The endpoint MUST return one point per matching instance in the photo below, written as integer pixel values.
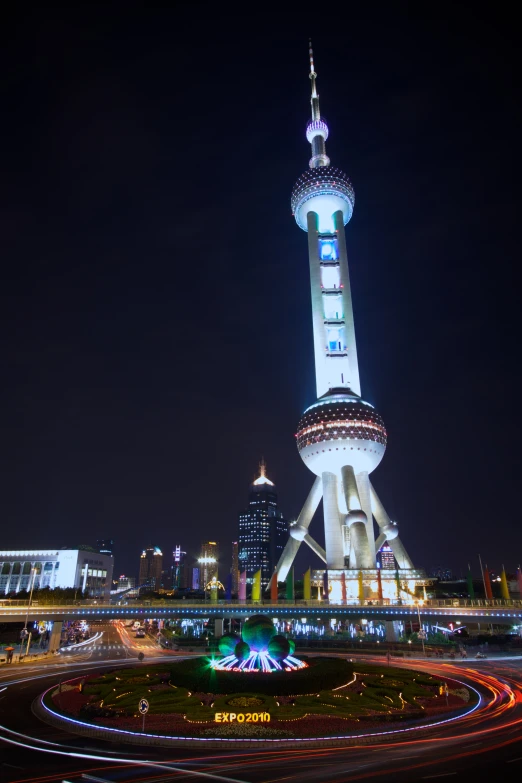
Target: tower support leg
(401, 556)
(356, 519)
(363, 485)
(303, 521)
(388, 531)
(333, 538)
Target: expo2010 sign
(242, 717)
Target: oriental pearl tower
(341, 437)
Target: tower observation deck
(340, 437)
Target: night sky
(157, 333)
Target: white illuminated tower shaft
(335, 349)
(340, 437)
(336, 364)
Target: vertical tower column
(317, 304)
(353, 381)
(333, 538)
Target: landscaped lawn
(325, 699)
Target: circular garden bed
(189, 699)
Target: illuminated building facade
(126, 582)
(234, 570)
(21, 569)
(341, 437)
(208, 563)
(151, 566)
(386, 558)
(180, 571)
(263, 531)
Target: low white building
(78, 568)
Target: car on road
(140, 633)
(480, 655)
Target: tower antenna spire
(313, 77)
(317, 130)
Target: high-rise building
(126, 582)
(386, 558)
(180, 572)
(151, 566)
(208, 563)
(341, 438)
(262, 530)
(234, 570)
(105, 546)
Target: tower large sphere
(323, 190)
(298, 532)
(341, 429)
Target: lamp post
(421, 631)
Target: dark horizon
(157, 335)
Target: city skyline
(104, 385)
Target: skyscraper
(180, 576)
(262, 530)
(234, 570)
(126, 582)
(208, 563)
(151, 566)
(385, 558)
(340, 437)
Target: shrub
(197, 675)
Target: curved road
(488, 742)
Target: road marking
(512, 760)
(442, 775)
(274, 780)
(475, 744)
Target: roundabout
(255, 692)
(365, 702)
(485, 733)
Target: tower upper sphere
(323, 190)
